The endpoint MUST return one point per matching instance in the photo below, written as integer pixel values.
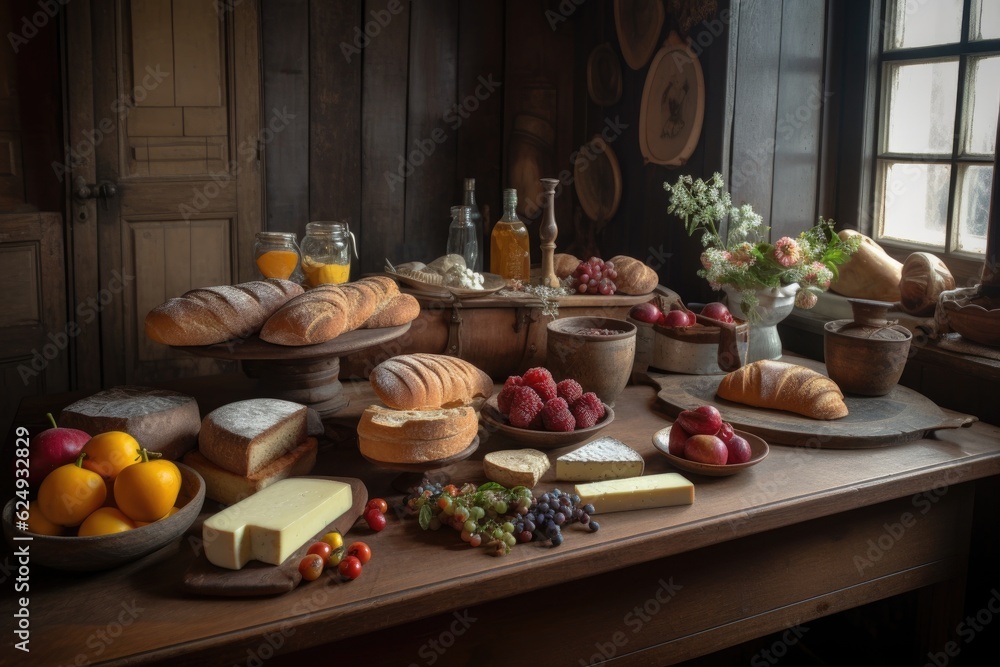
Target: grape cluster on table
(498, 517)
(594, 276)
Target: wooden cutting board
(872, 421)
(258, 578)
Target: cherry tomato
(375, 520)
(334, 539)
(350, 567)
(321, 549)
(337, 555)
(361, 551)
(379, 504)
(311, 567)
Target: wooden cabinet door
(165, 133)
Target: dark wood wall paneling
(363, 126)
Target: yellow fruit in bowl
(39, 524)
(147, 490)
(70, 493)
(105, 521)
(110, 452)
(173, 510)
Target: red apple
(675, 443)
(677, 318)
(717, 311)
(646, 312)
(52, 448)
(704, 420)
(706, 449)
(725, 432)
(739, 449)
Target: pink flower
(742, 255)
(818, 275)
(786, 251)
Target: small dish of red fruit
(535, 409)
(701, 441)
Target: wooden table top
(415, 574)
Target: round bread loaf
(634, 277)
(419, 381)
(415, 436)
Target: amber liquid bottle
(509, 249)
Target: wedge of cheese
(636, 493)
(271, 524)
(604, 458)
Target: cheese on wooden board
(636, 493)
(274, 522)
(604, 458)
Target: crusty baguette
(327, 311)
(229, 488)
(634, 277)
(783, 386)
(415, 436)
(418, 381)
(210, 315)
(516, 467)
(393, 312)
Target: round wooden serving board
(258, 578)
(872, 421)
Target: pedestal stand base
(311, 382)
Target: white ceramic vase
(773, 305)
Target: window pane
(916, 202)
(985, 23)
(974, 207)
(983, 101)
(922, 107)
(922, 23)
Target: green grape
(497, 533)
(509, 539)
(507, 527)
(470, 526)
(500, 507)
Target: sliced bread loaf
(516, 467)
(245, 436)
(415, 436)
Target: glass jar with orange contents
(326, 253)
(276, 254)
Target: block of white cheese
(604, 458)
(636, 493)
(272, 523)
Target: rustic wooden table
(804, 534)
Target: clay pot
(866, 355)
(600, 362)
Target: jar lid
(870, 322)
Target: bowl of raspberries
(535, 409)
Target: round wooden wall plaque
(673, 105)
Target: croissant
(783, 386)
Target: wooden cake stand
(411, 474)
(308, 374)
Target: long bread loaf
(325, 312)
(784, 386)
(421, 381)
(210, 315)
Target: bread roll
(393, 312)
(325, 312)
(783, 386)
(210, 315)
(924, 276)
(415, 436)
(634, 277)
(419, 381)
(564, 264)
(870, 273)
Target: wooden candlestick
(547, 233)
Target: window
(939, 64)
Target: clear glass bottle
(276, 254)
(462, 236)
(510, 251)
(469, 199)
(326, 253)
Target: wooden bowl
(601, 363)
(758, 450)
(101, 552)
(540, 439)
(974, 322)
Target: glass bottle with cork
(469, 199)
(510, 251)
(462, 237)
